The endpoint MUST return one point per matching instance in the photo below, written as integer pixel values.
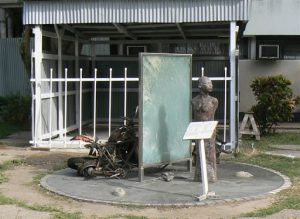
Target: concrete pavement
(181, 191)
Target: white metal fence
(58, 137)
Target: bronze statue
(204, 108)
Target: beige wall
(250, 69)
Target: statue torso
(204, 107)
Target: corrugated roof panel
(134, 11)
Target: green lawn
(286, 199)
(289, 198)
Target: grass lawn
(286, 199)
(7, 129)
(289, 198)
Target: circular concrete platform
(180, 191)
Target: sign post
(200, 131)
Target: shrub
(275, 101)
(15, 109)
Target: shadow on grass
(6, 129)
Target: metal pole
(225, 103)
(95, 102)
(203, 170)
(66, 105)
(125, 94)
(77, 76)
(50, 108)
(232, 83)
(80, 104)
(202, 71)
(109, 102)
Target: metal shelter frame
(123, 22)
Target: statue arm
(215, 103)
(195, 104)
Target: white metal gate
(57, 137)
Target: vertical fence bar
(77, 84)
(35, 118)
(95, 102)
(66, 106)
(50, 107)
(33, 114)
(202, 71)
(80, 104)
(225, 103)
(32, 100)
(125, 94)
(109, 101)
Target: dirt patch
(20, 186)
(48, 160)
(12, 211)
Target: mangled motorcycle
(112, 158)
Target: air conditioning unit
(268, 51)
(135, 50)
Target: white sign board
(200, 130)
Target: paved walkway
(291, 151)
(182, 190)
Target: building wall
(250, 69)
(274, 17)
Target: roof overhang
(10, 4)
(134, 11)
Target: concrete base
(182, 190)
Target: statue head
(205, 84)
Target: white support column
(233, 97)
(38, 41)
(225, 104)
(60, 88)
(77, 105)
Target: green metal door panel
(165, 93)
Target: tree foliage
(275, 101)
